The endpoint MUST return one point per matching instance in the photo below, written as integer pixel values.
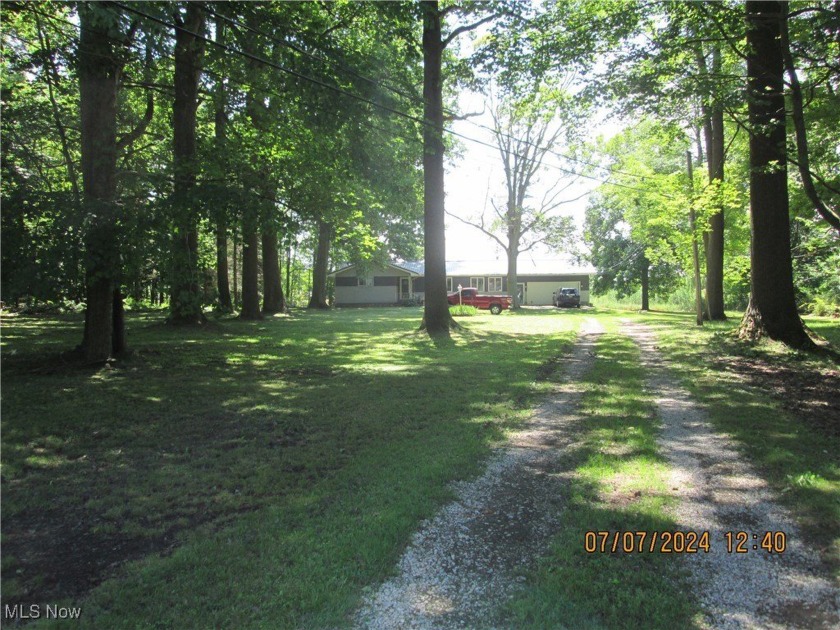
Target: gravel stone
(471, 557)
(720, 492)
(467, 560)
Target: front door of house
(405, 288)
(520, 292)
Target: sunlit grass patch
(256, 473)
(797, 455)
(619, 485)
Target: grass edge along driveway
(263, 474)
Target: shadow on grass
(618, 486)
(303, 449)
(779, 405)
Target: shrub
(823, 307)
(462, 310)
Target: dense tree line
(158, 133)
(722, 81)
(199, 154)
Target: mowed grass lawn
(256, 474)
(269, 474)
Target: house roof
(526, 266)
(415, 268)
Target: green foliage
(816, 259)
(463, 310)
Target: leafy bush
(823, 306)
(462, 310)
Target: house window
(365, 282)
(494, 284)
(449, 288)
(477, 283)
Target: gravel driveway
(471, 557)
(720, 492)
(466, 561)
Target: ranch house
(398, 282)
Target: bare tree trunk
(236, 300)
(645, 273)
(831, 215)
(436, 317)
(320, 267)
(273, 300)
(222, 279)
(185, 306)
(695, 251)
(772, 308)
(250, 270)
(513, 275)
(99, 74)
(715, 240)
(289, 272)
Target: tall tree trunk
(695, 251)
(772, 308)
(436, 318)
(273, 300)
(831, 215)
(513, 275)
(645, 273)
(185, 306)
(236, 300)
(713, 135)
(289, 272)
(99, 73)
(321, 266)
(250, 270)
(514, 236)
(222, 279)
(714, 243)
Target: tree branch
(829, 214)
(479, 227)
(466, 28)
(141, 127)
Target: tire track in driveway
(470, 558)
(719, 491)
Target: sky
(474, 177)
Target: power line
(347, 93)
(344, 92)
(416, 98)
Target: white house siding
(365, 295)
(368, 294)
(539, 293)
(385, 284)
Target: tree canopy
(228, 155)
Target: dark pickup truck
(567, 297)
(471, 297)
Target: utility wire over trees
(335, 122)
(525, 131)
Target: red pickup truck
(471, 297)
